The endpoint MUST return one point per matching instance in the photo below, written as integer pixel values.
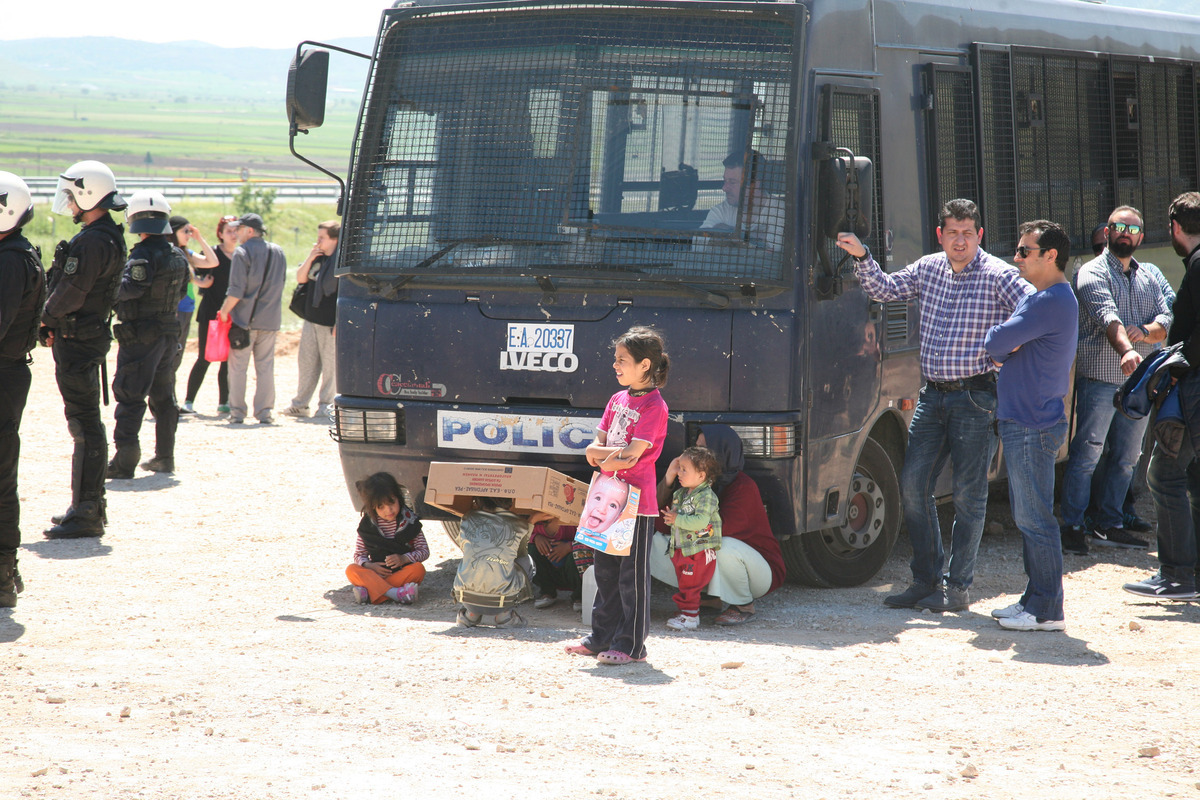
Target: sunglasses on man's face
(1024, 251)
(1121, 227)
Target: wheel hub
(864, 514)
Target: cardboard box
(451, 486)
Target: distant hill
(188, 69)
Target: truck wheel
(453, 528)
(853, 553)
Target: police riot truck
(529, 179)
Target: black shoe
(909, 597)
(159, 464)
(57, 518)
(86, 521)
(8, 587)
(1074, 539)
(946, 599)
(1136, 524)
(123, 463)
(1118, 537)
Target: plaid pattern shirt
(957, 309)
(1108, 294)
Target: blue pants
(1029, 456)
(1175, 486)
(955, 426)
(1097, 419)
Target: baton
(104, 379)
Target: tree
(251, 200)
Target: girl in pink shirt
(628, 440)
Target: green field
(41, 132)
(293, 226)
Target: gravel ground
(208, 647)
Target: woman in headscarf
(749, 563)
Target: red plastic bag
(216, 347)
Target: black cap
(178, 222)
(251, 220)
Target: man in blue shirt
(1035, 348)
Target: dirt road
(208, 647)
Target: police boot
(8, 587)
(83, 521)
(57, 518)
(124, 462)
(160, 464)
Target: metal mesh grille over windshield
(594, 145)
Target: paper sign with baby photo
(609, 515)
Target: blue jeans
(958, 426)
(1175, 486)
(1029, 454)
(1096, 419)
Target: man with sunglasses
(963, 292)
(1132, 521)
(1036, 346)
(1175, 481)
(1123, 316)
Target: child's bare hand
(559, 551)
(668, 516)
(394, 561)
(378, 569)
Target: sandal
(579, 649)
(513, 620)
(734, 616)
(468, 620)
(616, 658)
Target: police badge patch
(137, 272)
(71, 266)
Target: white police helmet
(91, 184)
(148, 212)
(16, 204)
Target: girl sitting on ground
(390, 546)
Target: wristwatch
(1145, 331)
(864, 258)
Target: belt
(984, 382)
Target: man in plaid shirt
(962, 293)
(1123, 317)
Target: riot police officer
(83, 283)
(22, 293)
(154, 281)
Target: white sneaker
(360, 595)
(683, 622)
(1028, 622)
(407, 594)
(545, 601)
(1008, 612)
(295, 411)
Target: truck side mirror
(846, 192)
(308, 77)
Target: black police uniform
(22, 293)
(83, 283)
(153, 283)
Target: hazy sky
(238, 23)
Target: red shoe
(578, 649)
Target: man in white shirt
(762, 215)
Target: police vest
(17, 253)
(163, 271)
(109, 240)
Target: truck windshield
(592, 144)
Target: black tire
(853, 553)
(453, 528)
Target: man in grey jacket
(254, 301)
